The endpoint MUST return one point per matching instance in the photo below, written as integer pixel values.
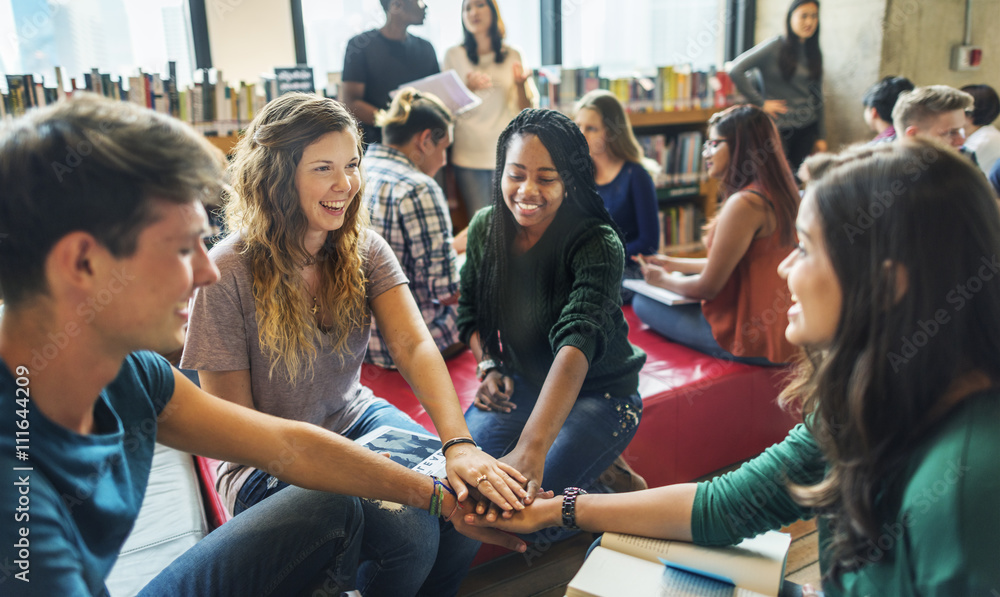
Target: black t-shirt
(384, 64)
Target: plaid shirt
(409, 210)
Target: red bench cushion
(700, 414)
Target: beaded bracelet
(569, 507)
(437, 496)
(458, 440)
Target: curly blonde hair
(264, 209)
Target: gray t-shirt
(222, 336)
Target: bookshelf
(225, 142)
(703, 194)
(660, 119)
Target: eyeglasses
(712, 145)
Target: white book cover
(663, 295)
(418, 451)
(647, 567)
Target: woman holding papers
(540, 308)
(899, 390)
(743, 301)
(492, 70)
(285, 330)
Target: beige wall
(851, 40)
(919, 37)
(865, 40)
(249, 37)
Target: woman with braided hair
(541, 310)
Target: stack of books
(645, 567)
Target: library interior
(506, 297)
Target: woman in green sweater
(541, 309)
(898, 387)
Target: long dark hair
(756, 157)
(788, 56)
(571, 156)
(873, 395)
(497, 33)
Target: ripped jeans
(404, 550)
(596, 431)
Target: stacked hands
(495, 492)
(489, 491)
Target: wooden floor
(545, 572)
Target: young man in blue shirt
(101, 248)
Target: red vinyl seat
(700, 414)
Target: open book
(640, 566)
(418, 451)
(663, 295)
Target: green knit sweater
(945, 537)
(564, 292)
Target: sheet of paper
(449, 88)
(655, 292)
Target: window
(115, 36)
(637, 35)
(329, 24)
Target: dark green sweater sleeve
(468, 277)
(596, 260)
(753, 498)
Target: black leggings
(798, 144)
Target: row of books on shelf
(680, 225)
(211, 105)
(673, 88)
(678, 155)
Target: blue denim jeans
(596, 431)
(383, 548)
(476, 188)
(686, 324)
(276, 548)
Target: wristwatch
(484, 367)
